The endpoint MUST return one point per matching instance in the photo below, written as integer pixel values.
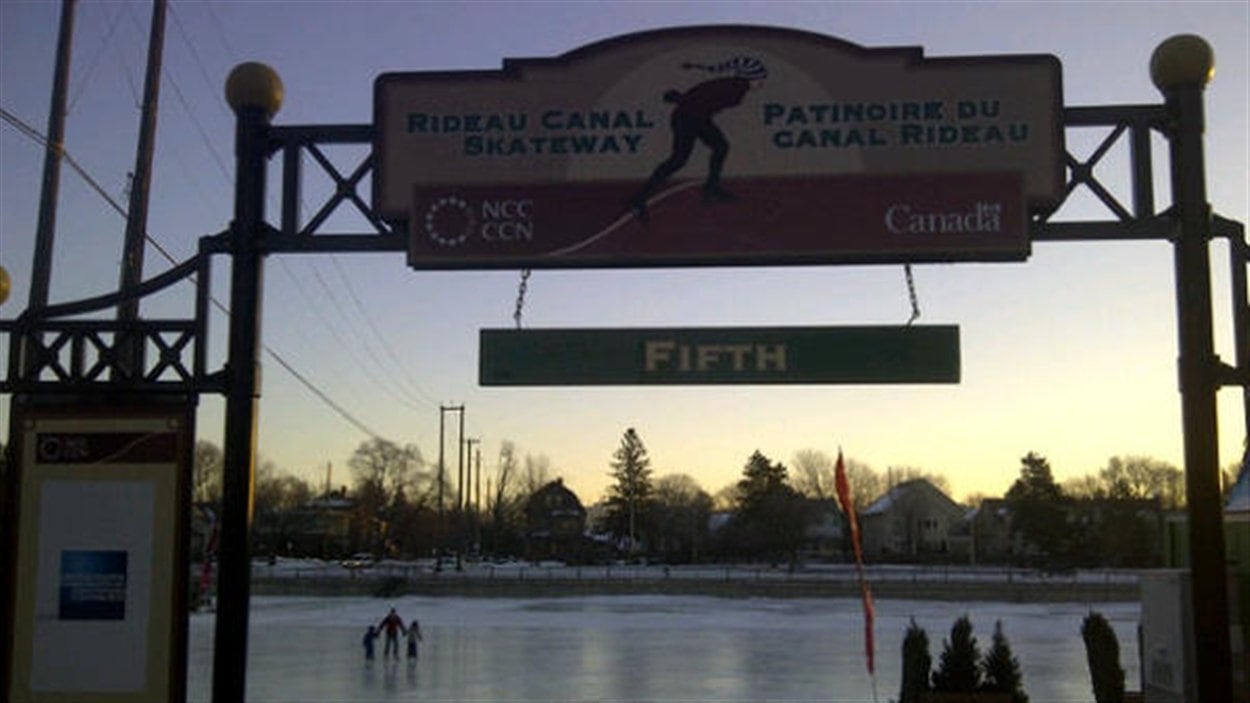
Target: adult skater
(414, 636)
(692, 120)
(392, 625)
(371, 636)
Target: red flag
(843, 486)
(870, 616)
(206, 572)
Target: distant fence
(888, 581)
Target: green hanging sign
(719, 355)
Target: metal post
(254, 92)
(442, 414)
(1239, 258)
(1180, 68)
(41, 268)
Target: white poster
(93, 586)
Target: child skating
(371, 636)
(414, 636)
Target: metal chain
(911, 295)
(520, 297)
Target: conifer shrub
(1102, 649)
(916, 664)
(958, 669)
(1002, 669)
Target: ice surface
(636, 648)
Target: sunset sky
(1071, 354)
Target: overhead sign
(99, 571)
(719, 355)
(720, 145)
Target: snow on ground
(636, 648)
(284, 568)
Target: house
(988, 531)
(912, 521)
(1236, 527)
(319, 528)
(554, 523)
(822, 537)
(327, 522)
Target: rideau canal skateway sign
(720, 145)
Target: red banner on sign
(844, 218)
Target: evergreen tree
(771, 515)
(1102, 649)
(958, 669)
(1037, 510)
(916, 664)
(1002, 669)
(760, 477)
(630, 497)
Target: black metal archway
(56, 355)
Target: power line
(406, 383)
(351, 349)
(364, 314)
(35, 135)
(95, 59)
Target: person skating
(393, 626)
(692, 121)
(414, 636)
(371, 636)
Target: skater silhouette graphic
(691, 121)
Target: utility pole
(130, 345)
(472, 522)
(140, 185)
(41, 268)
(442, 414)
(460, 498)
(460, 469)
(477, 502)
(477, 490)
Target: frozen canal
(636, 648)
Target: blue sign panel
(93, 585)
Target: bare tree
(813, 474)
(537, 473)
(505, 475)
(1084, 487)
(901, 474)
(866, 484)
(1141, 478)
(974, 500)
(206, 472)
(278, 496)
(390, 467)
(681, 510)
(384, 474)
(726, 499)
(504, 502)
